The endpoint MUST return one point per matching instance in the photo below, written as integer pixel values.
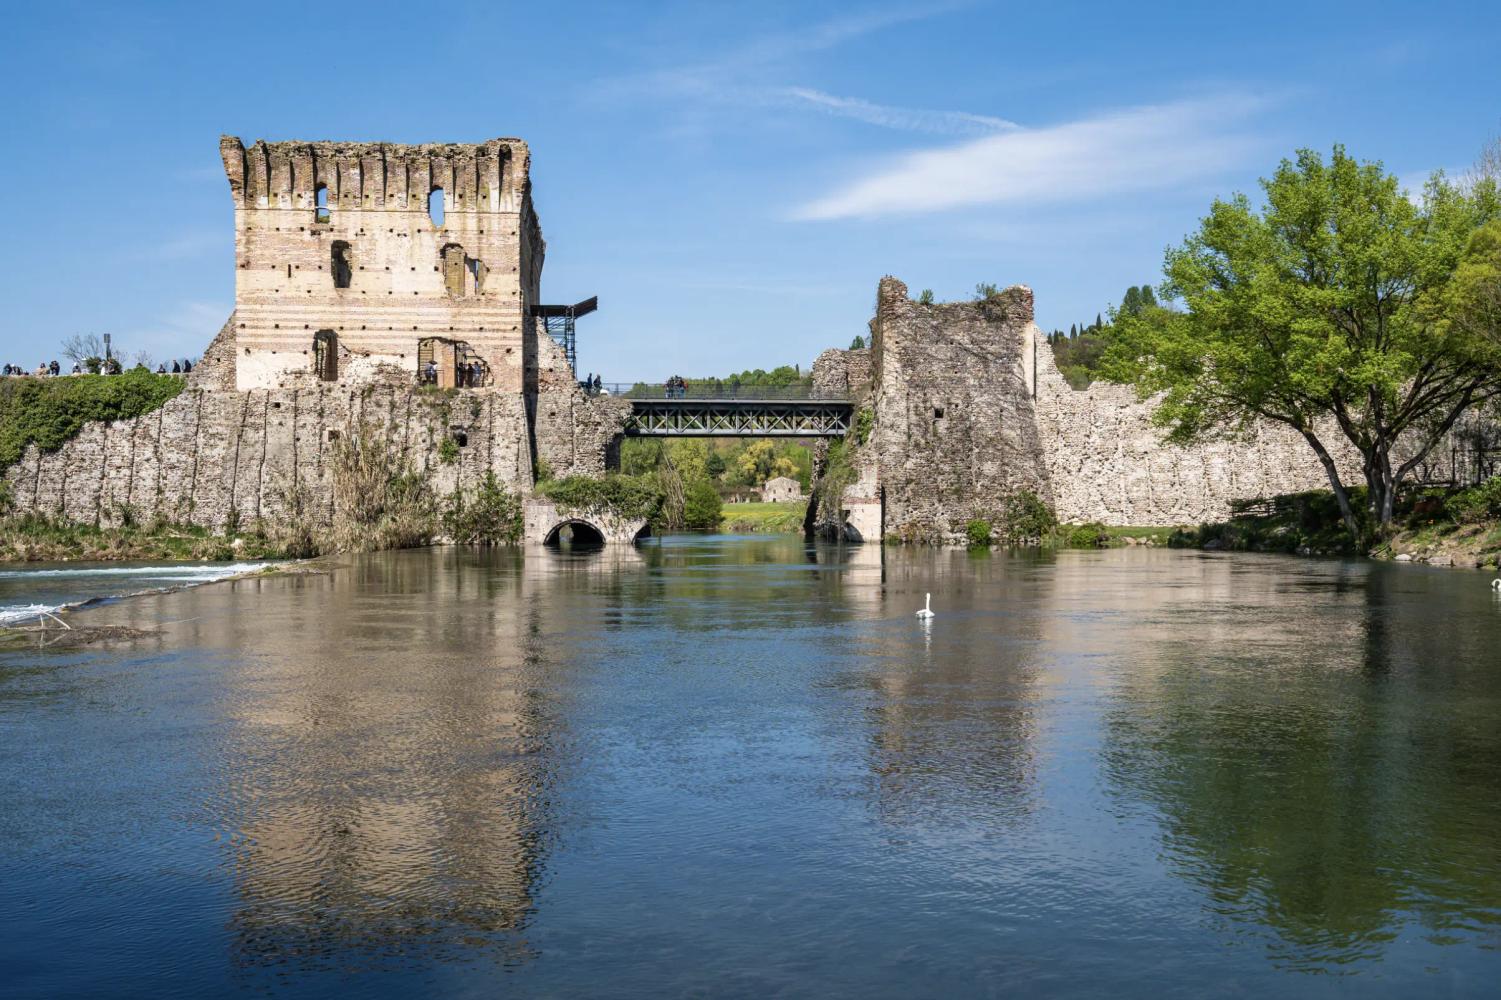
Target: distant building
(781, 488)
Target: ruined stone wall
(206, 453)
(573, 432)
(1107, 462)
(216, 367)
(470, 278)
(970, 408)
(839, 372)
(954, 432)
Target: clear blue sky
(731, 181)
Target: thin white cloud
(1138, 149)
(739, 76)
(779, 47)
(907, 119)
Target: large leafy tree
(1324, 310)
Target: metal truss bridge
(724, 410)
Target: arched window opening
(326, 356)
(453, 269)
(320, 214)
(435, 206)
(339, 265)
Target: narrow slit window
(320, 214)
(435, 206)
(339, 263)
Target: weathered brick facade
(341, 268)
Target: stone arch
(575, 532)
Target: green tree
(858, 343)
(926, 297)
(702, 507)
(1323, 311)
(985, 290)
(714, 465)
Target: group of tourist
(592, 385)
(107, 366)
(44, 369)
(466, 375)
(677, 387)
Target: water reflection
(953, 719)
(716, 766)
(1314, 749)
(392, 757)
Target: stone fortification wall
(1107, 462)
(954, 432)
(208, 453)
(969, 408)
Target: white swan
(1496, 583)
(927, 607)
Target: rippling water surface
(741, 767)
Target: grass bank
(780, 518)
(48, 412)
(38, 539)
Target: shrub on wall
(978, 533)
(380, 501)
(48, 412)
(490, 516)
(1026, 518)
(624, 496)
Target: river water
(741, 767)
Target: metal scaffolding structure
(559, 322)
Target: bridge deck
(721, 410)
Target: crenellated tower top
(490, 176)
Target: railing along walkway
(727, 391)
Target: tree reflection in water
(1319, 771)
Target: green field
(785, 518)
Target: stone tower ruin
(367, 262)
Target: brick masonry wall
(400, 290)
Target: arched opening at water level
(575, 536)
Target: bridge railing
(712, 390)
